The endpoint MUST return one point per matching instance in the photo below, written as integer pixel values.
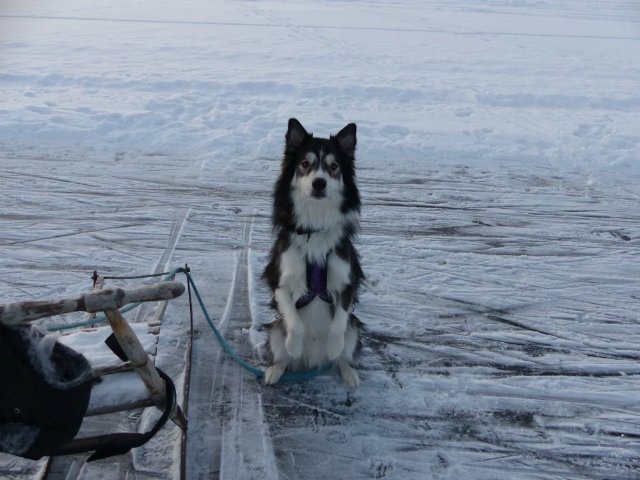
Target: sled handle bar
(110, 299)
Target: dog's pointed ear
(347, 139)
(296, 134)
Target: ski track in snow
(498, 162)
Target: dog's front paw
(335, 344)
(294, 342)
(273, 373)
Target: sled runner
(48, 385)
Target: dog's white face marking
(331, 166)
(311, 160)
(316, 192)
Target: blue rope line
(259, 373)
(101, 318)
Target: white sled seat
(124, 385)
(120, 388)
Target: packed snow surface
(499, 164)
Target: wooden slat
(136, 354)
(141, 363)
(111, 299)
(112, 369)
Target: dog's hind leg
(338, 331)
(348, 373)
(274, 372)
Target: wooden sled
(152, 389)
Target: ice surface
(499, 164)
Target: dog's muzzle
(319, 186)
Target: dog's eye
(334, 167)
(305, 164)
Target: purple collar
(316, 285)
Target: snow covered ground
(499, 163)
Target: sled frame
(110, 301)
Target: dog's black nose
(319, 184)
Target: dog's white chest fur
(316, 318)
(317, 248)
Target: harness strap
(316, 285)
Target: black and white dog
(314, 270)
